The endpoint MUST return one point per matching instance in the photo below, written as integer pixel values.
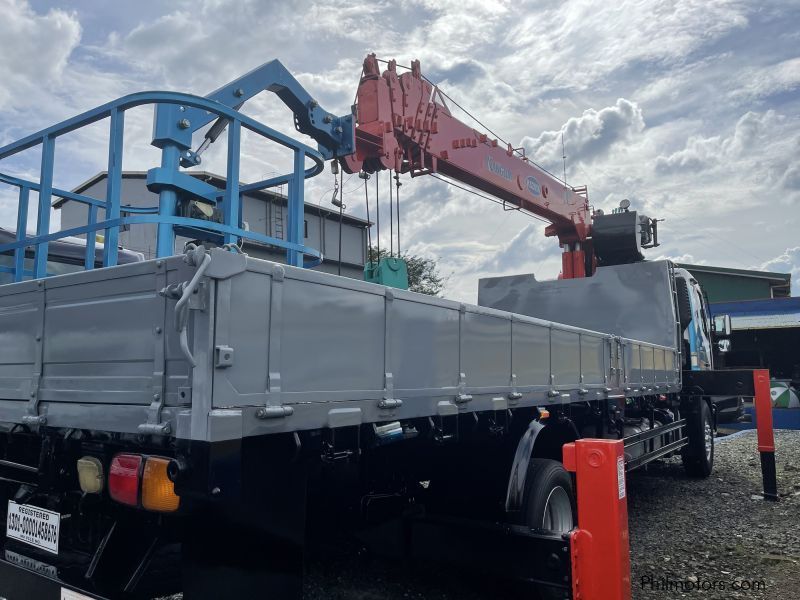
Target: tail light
(90, 475)
(158, 491)
(137, 480)
(124, 477)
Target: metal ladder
(278, 228)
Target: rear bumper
(24, 578)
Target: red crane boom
(404, 124)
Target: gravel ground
(716, 533)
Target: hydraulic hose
(196, 256)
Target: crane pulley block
(390, 271)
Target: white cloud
(527, 247)
(576, 44)
(687, 259)
(687, 107)
(788, 262)
(749, 128)
(751, 132)
(765, 80)
(36, 49)
(698, 154)
(790, 180)
(757, 157)
(589, 136)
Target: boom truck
(187, 423)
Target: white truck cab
(698, 333)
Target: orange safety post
(762, 402)
(601, 564)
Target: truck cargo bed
(282, 349)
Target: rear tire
(549, 502)
(548, 505)
(698, 454)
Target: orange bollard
(601, 566)
(762, 402)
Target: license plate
(34, 526)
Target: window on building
(305, 227)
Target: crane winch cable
(377, 218)
(397, 200)
(341, 217)
(489, 198)
(369, 226)
(391, 217)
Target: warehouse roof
(778, 278)
(760, 314)
(724, 284)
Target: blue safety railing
(172, 134)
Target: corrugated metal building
(729, 285)
(264, 212)
(766, 334)
(765, 320)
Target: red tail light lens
(123, 478)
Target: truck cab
(697, 330)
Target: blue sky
(689, 108)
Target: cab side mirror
(722, 325)
(724, 346)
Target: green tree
(423, 273)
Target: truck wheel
(698, 454)
(548, 505)
(549, 502)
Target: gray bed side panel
(331, 339)
(432, 333)
(20, 323)
(530, 354)
(99, 337)
(633, 301)
(316, 349)
(104, 341)
(486, 350)
(324, 339)
(593, 359)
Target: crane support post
(601, 568)
(762, 402)
(334, 134)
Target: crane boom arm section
(404, 124)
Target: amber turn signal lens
(158, 492)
